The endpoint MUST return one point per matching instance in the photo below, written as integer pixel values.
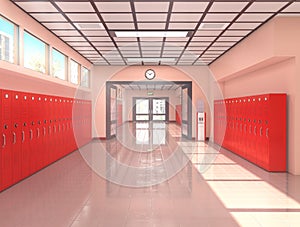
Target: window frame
(47, 46)
(15, 45)
(88, 77)
(65, 64)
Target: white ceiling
(225, 23)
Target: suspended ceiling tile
(37, 6)
(124, 17)
(151, 43)
(178, 44)
(113, 6)
(196, 52)
(88, 52)
(120, 26)
(218, 48)
(45, 17)
(244, 25)
(58, 25)
(189, 6)
(222, 17)
(177, 39)
(84, 48)
(84, 44)
(227, 38)
(187, 26)
(169, 46)
(150, 48)
(151, 6)
(102, 39)
(293, 8)
(255, 17)
(66, 33)
(266, 6)
(218, 52)
(125, 39)
(94, 33)
(201, 39)
(146, 39)
(236, 32)
(224, 44)
(227, 6)
(110, 44)
(202, 44)
(75, 6)
(151, 25)
(92, 17)
(191, 48)
(185, 17)
(142, 17)
(208, 32)
(146, 54)
(74, 39)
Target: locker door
(32, 135)
(259, 137)
(25, 166)
(16, 135)
(7, 140)
(44, 126)
(248, 127)
(265, 131)
(51, 137)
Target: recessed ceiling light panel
(151, 34)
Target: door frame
(187, 84)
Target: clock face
(150, 74)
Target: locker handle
(44, 131)
(249, 129)
(38, 132)
(245, 128)
(260, 131)
(15, 138)
(254, 131)
(23, 136)
(267, 132)
(30, 133)
(54, 127)
(4, 140)
(49, 130)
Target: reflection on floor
(149, 176)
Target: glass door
(186, 113)
(111, 111)
(141, 109)
(151, 109)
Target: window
(34, 53)
(58, 64)
(74, 76)
(7, 40)
(85, 80)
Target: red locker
(25, 145)
(7, 140)
(16, 148)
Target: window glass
(34, 53)
(85, 80)
(7, 31)
(58, 64)
(74, 76)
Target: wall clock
(150, 74)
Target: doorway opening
(149, 107)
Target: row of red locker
(37, 130)
(253, 127)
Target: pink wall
(268, 62)
(136, 73)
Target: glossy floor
(149, 176)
